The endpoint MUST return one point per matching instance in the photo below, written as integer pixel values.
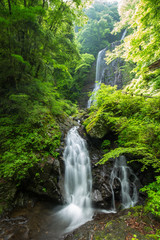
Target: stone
(8, 192)
(96, 196)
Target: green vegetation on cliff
(141, 45)
(134, 121)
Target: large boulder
(99, 130)
(44, 180)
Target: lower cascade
(78, 183)
(78, 178)
(128, 183)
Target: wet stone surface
(125, 225)
(39, 223)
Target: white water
(78, 178)
(124, 34)
(78, 183)
(127, 180)
(100, 67)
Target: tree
(38, 55)
(96, 34)
(141, 46)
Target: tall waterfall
(100, 67)
(128, 181)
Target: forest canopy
(141, 45)
(96, 34)
(39, 64)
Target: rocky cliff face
(88, 87)
(101, 191)
(112, 73)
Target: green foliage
(153, 201)
(39, 57)
(82, 69)
(96, 34)
(134, 237)
(38, 42)
(106, 143)
(141, 46)
(135, 122)
(25, 144)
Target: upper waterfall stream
(100, 67)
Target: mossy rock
(128, 224)
(8, 191)
(99, 129)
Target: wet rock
(124, 225)
(43, 180)
(46, 178)
(65, 123)
(88, 86)
(8, 191)
(96, 196)
(113, 74)
(99, 130)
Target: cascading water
(78, 183)
(100, 67)
(124, 34)
(78, 178)
(109, 74)
(128, 181)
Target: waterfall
(124, 34)
(128, 181)
(78, 178)
(111, 69)
(78, 183)
(100, 67)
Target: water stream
(124, 34)
(100, 67)
(128, 183)
(78, 188)
(78, 181)
(45, 222)
(52, 224)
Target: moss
(1, 209)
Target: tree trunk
(43, 3)
(9, 5)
